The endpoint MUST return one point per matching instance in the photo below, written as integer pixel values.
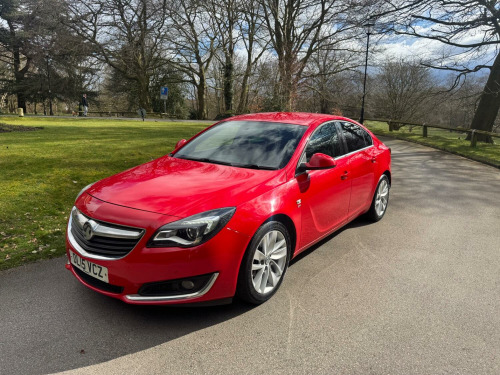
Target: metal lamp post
(368, 27)
(50, 91)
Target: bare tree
(320, 77)
(192, 45)
(225, 14)
(404, 88)
(126, 34)
(252, 29)
(461, 102)
(298, 28)
(471, 28)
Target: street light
(50, 92)
(368, 25)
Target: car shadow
(63, 325)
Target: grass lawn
(444, 140)
(41, 172)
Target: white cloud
(409, 48)
(421, 49)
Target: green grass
(42, 171)
(444, 140)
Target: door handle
(344, 176)
(374, 159)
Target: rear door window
(355, 137)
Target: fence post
(473, 138)
(424, 131)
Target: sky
(421, 49)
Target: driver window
(324, 140)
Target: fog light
(187, 284)
(175, 287)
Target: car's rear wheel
(380, 200)
(264, 264)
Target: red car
(224, 213)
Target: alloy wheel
(382, 197)
(269, 261)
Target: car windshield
(246, 144)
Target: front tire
(380, 200)
(264, 264)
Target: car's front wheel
(265, 263)
(380, 200)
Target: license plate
(92, 269)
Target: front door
(324, 194)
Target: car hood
(179, 187)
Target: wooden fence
(128, 114)
(395, 125)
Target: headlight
(193, 230)
(83, 190)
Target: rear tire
(380, 200)
(264, 263)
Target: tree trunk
(489, 104)
(285, 87)
(229, 57)
(228, 82)
(19, 76)
(21, 100)
(18, 71)
(143, 94)
(201, 87)
(324, 105)
(242, 105)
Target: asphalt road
(416, 293)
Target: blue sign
(164, 93)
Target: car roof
(298, 118)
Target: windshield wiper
(250, 165)
(207, 160)
(255, 166)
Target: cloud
(409, 48)
(391, 47)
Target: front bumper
(220, 258)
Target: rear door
(360, 159)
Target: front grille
(117, 247)
(109, 240)
(98, 283)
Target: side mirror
(181, 143)
(318, 161)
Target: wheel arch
(243, 290)
(388, 174)
(289, 225)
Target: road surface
(416, 293)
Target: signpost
(164, 97)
